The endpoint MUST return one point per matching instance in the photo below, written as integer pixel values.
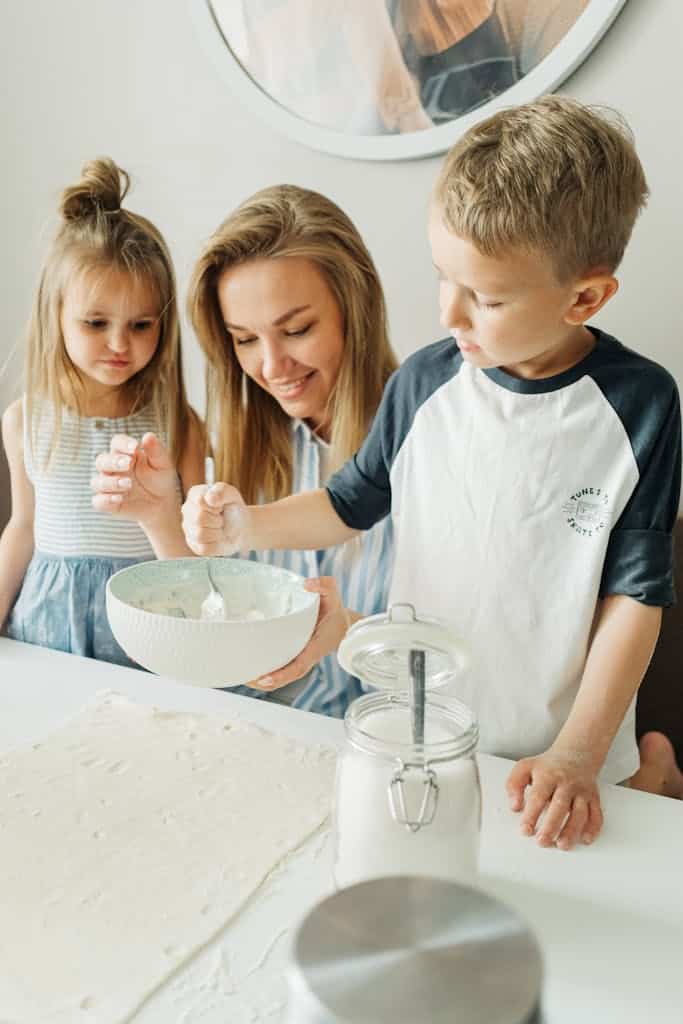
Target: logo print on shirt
(588, 511)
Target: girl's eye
(244, 341)
(298, 333)
(487, 305)
(96, 324)
(142, 325)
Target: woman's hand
(333, 622)
(214, 520)
(136, 480)
(561, 787)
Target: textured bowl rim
(212, 623)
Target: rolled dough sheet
(128, 838)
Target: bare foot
(658, 772)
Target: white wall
(128, 78)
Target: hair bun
(101, 189)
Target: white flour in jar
(370, 843)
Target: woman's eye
(244, 341)
(299, 332)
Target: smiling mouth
(291, 389)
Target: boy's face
(509, 311)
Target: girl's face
(287, 331)
(111, 325)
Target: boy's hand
(135, 480)
(214, 520)
(563, 788)
(333, 621)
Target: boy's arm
(217, 522)
(16, 543)
(563, 780)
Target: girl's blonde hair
(97, 234)
(252, 432)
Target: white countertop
(609, 917)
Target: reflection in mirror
(389, 67)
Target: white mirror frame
(569, 53)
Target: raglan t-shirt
(516, 505)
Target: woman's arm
(330, 629)
(16, 543)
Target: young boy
(531, 463)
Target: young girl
(103, 360)
(288, 307)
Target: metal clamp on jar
(408, 800)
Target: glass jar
(406, 803)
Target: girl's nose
(118, 340)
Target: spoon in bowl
(213, 605)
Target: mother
(288, 308)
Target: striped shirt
(361, 567)
(65, 522)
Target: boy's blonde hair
(553, 177)
(252, 432)
(97, 235)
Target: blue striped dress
(61, 603)
(361, 567)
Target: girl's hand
(333, 621)
(214, 520)
(136, 480)
(562, 787)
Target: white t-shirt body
(517, 504)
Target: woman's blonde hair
(97, 234)
(552, 176)
(252, 432)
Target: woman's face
(287, 332)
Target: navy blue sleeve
(639, 559)
(360, 491)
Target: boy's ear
(590, 295)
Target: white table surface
(609, 917)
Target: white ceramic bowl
(143, 605)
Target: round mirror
(392, 79)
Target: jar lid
(377, 649)
(407, 949)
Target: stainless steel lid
(407, 950)
(378, 649)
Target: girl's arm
(16, 543)
(137, 480)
